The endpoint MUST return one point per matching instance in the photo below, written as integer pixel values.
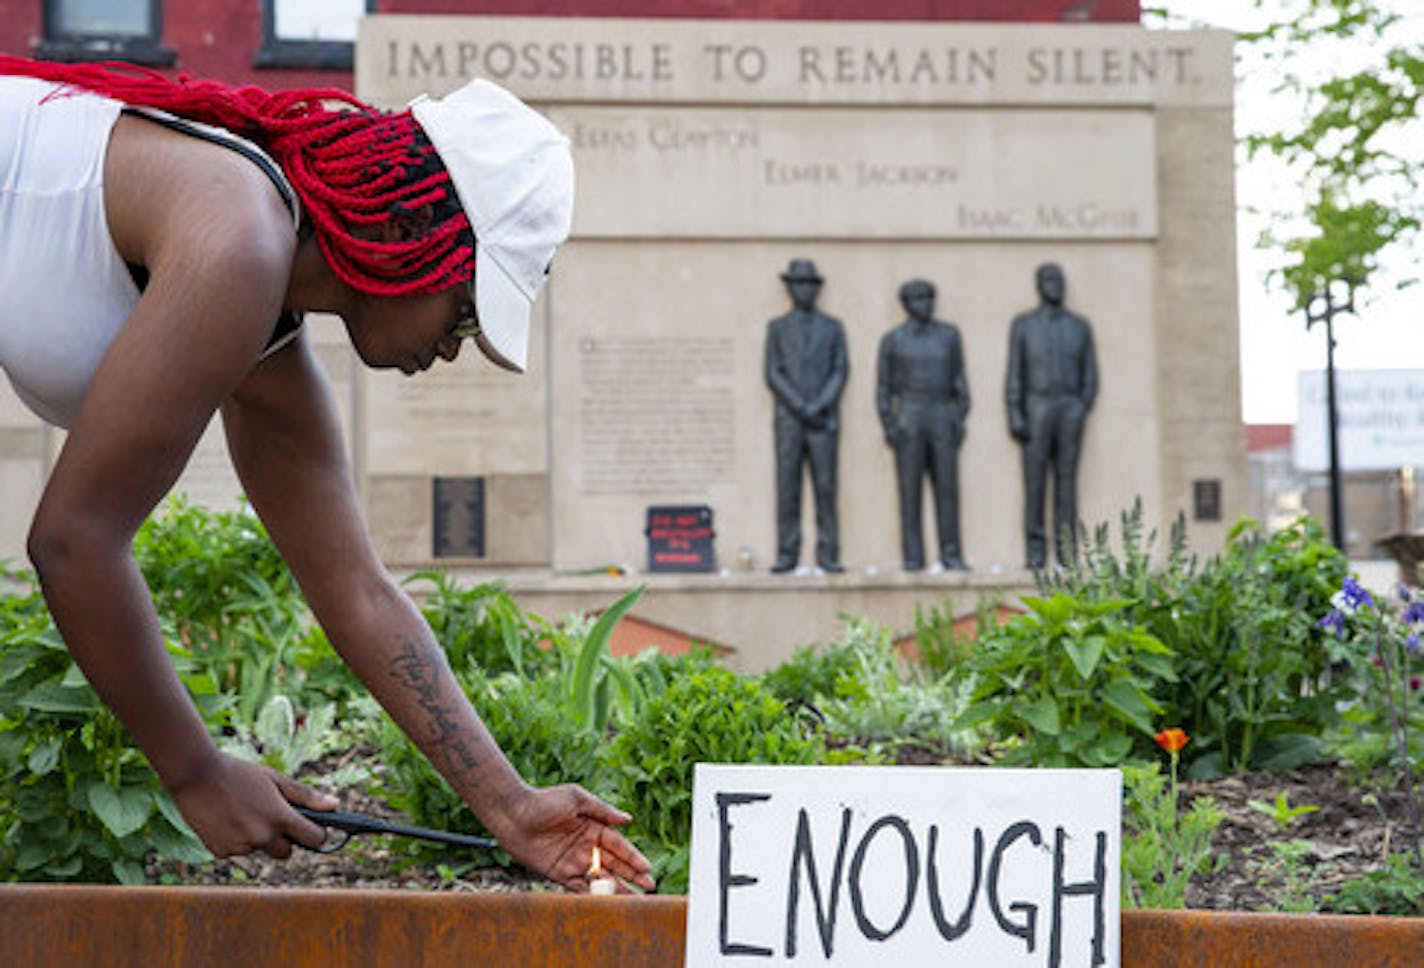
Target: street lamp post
(1323, 308)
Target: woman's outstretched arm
(287, 446)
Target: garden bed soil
(1346, 836)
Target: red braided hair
(353, 167)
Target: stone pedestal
(756, 620)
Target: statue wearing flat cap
(806, 367)
(922, 395)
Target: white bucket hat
(514, 176)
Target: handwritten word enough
(825, 869)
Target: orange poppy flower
(1172, 740)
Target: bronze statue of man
(1052, 380)
(923, 398)
(806, 369)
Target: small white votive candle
(598, 882)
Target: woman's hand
(236, 807)
(553, 830)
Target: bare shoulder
(171, 196)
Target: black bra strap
(289, 322)
(257, 158)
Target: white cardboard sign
(828, 865)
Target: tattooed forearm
(416, 668)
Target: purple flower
(1402, 590)
(1335, 622)
(1350, 597)
(1414, 614)
(1411, 642)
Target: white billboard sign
(1380, 416)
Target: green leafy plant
(1071, 682)
(655, 670)
(1347, 146)
(78, 802)
(707, 716)
(281, 740)
(1280, 809)
(1255, 685)
(1397, 888)
(1283, 876)
(481, 626)
(1252, 674)
(1127, 572)
(863, 692)
(591, 677)
(223, 590)
(942, 649)
(811, 673)
(1163, 847)
(880, 699)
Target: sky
(1387, 331)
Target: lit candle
(598, 883)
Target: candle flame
(595, 867)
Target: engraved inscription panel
(656, 414)
(857, 173)
(730, 61)
(456, 418)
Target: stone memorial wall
(709, 154)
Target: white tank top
(65, 292)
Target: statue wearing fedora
(806, 370)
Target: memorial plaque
(465, 410)
(458, 515)
(680, 538)
(1206, 500)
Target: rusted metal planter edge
(1208, 939)
(69, 925)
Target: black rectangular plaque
(458, 517)
(1206, 500)
(680, 538)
